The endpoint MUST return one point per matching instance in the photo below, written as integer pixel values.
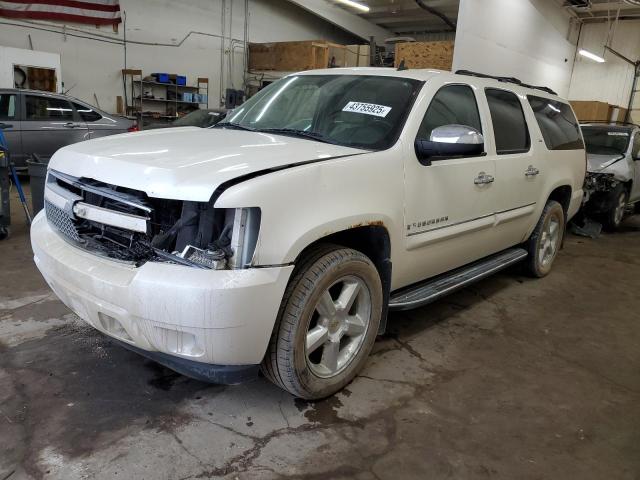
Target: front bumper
(215, 317)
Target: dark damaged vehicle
(612, 184)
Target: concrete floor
(511, 378)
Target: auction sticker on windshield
(618, 134)
(367, 109)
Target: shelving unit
(140, 105)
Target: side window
(509, 125)
(87, 113)
(559, 126)
(7, 106)
(453, 104)
(47, 109)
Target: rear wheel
(545, 241)
(613, 218)
(327, 324)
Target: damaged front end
(127, 225)
(598, 188)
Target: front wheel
(613, 218)
(545, 241)
(327, 324)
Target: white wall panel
(520, 38)
(610, 81)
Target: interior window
(7, 106)
(558, 125)
(509, 125)
(453, 104)
(47, 109)
(87, 113)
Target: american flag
(95, 12)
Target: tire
(636, 209)
(545, 241)
(340, 341)
(613, 218)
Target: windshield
(359, 111)
(606, 141)
(199, 118)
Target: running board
(437, 287)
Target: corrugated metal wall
(611, 81)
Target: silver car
(41, 123)
(613, 171)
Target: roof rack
(513, 80)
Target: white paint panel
(515, 38)
(611, 81)
(30, 58)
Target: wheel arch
(562, 195)
(374, 241)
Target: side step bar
(431, 290)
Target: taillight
(133, 128)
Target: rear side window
(558, 125)
(636, 146)
(453, 104)
(47, 109)
(87, 113)
(7, 106)
(509, 125)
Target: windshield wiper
(234, 125)
(297, 133)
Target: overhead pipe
(437, 13)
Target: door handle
(531, 171)
(69, 125)
(483, 178)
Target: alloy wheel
(338, 326)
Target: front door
(49, 124)
(449, 205)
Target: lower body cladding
(212, 325)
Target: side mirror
(449, 141)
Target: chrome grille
(61, 220)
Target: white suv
(279, 239)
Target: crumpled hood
(186, 163)
(598, 163)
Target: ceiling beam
(340, 17)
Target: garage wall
(611, 81)
(527, 39)
(93, 65)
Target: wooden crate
(305, 55)
(591, 110)
(438, 55)
(289, 56)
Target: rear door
(450, 204)
(520, 171)
(49, 124)
(10, 116)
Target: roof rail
(513, 80)
(610, 122)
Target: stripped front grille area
(61, 220)
(74, 196)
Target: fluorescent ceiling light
(357, 5)
(591, 56)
